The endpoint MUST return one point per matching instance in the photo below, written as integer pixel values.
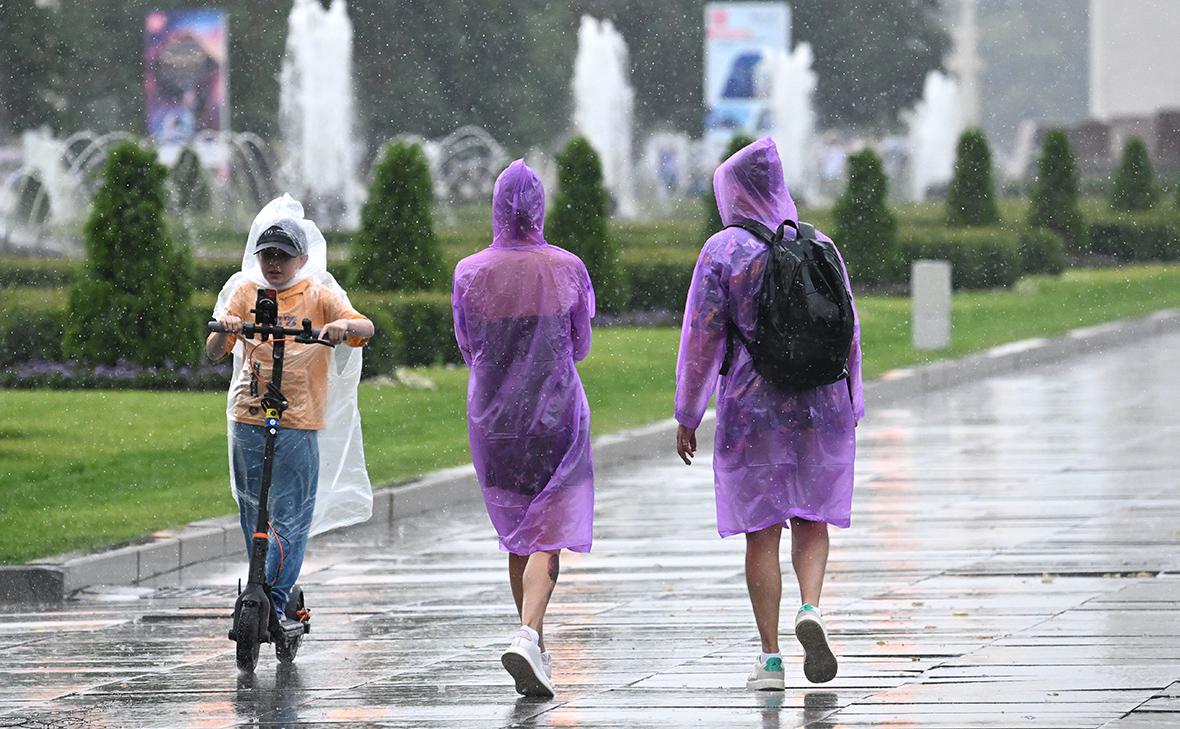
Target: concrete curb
(53, 579)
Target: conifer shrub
(866, 230)
(131, 300)
(396, 248)
(1055, 192)
(578, 222)
(971, 200)
(1134, 184)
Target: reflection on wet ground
(1014, 561)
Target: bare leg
(809, 555)
(538, 580)
(516, 564)
(764, 580)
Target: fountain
(316, 113)
(667, 166)
(792, 84)
(934, 128)
(603, 105)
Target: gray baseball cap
(286, 235)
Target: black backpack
(805, 321)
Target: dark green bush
(396, 248)
(412, 329)
(1134, 183)
(1130, 238)
(866, 230)
(971, 200)
(659, 278)
(132, 301)
(1055, 192)
(980, 258)
(578, 222)
(709, 200)
(1041, 251)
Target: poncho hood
(518, 208)
(750, 185)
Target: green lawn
(83, 469)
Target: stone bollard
(930, 293)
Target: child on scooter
(321, 427)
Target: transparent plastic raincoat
(344, 495)
(776, 454)
(522, 312)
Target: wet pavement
(1014, 561)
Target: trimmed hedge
(1041, 251)
(659, 278)
(1136, 238)
(980, 258)
(412, 329)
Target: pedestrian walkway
(1014, 561)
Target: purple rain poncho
(522, 313)
(776, 455)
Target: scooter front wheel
(247, 640)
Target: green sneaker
(819, 663)
(766, 676)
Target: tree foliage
(1055, 191)
(396, 248)
(1134, 184)
(428, 66)
(578, 221)
(866, 230)
(872, 55)
(971, 199)
(132, 302)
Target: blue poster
(738, 37)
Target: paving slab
(1014, 561)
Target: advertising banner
(738, 37)
(185, 75)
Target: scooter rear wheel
(286, 649)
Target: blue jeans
(291, 500)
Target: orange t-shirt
(305, 366)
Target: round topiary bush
(132, 300)
(971, 200)
(866, 230)
(712, 215)
(578, 222)
(1055, 192)
(1134, 184)
(396, 248)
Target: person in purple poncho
(779, 456)
(522, 312)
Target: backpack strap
(758, 230)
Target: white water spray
(316, 112)
(792, 85)
(603, 106)
(935, 125)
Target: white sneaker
(547, 664)
(766, 676)
(528, 667)
(819, 663)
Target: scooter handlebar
(250, 331)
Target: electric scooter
(255, 621)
